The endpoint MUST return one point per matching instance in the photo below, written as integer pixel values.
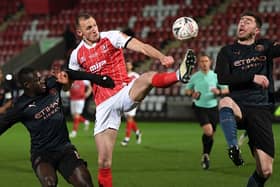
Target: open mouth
(241, 31)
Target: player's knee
(225, 102)
(49, 181)
(209, 133)
(208, 130)
(266, 172)
(148, 76)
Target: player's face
(204, 63)
(88, 30)
(37, 85)
(247, 28)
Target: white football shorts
(131, 112)
(108, 113)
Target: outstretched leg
(147, 81)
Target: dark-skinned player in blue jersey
(39, 109)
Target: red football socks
(128, 129)
(163, 80)
(130, 125)
(76, 123)
(134, 126)
(82, 119)
(105, 177)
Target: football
(184, 28)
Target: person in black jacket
(246, 66)
(39, 109)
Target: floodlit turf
(169, 156)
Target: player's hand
(196, 95)
(104, 81)
(216, 91)
(261, 80)
(167, 61)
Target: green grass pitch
(169, 156)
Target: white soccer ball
(184, 28)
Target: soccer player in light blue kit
(203, 87)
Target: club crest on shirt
(259, 48)
(104, 48)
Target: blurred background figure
(79, 91)
(131, 124)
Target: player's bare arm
(148, 50)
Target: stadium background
(36, 32)
(32, 32)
